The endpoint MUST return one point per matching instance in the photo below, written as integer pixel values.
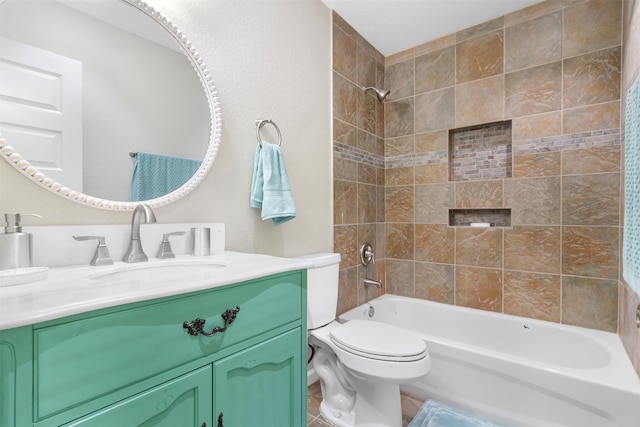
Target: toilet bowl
(361, 363)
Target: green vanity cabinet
(144, 363)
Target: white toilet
(360, 363)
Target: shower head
(380, 93)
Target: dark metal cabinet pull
(220, 420)
(195, 327)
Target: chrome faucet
(135, 252)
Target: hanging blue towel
(436, 414)
(155, 175)
(270, 189)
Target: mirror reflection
(85, 83)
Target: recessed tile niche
(480, 152)
(480, 217)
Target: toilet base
(376, 405)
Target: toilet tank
(322, 288)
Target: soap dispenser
(15, 246)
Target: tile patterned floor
(410, 406)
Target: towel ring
(262, 122)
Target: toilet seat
(378, 341)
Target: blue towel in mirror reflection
(270, 189)
(155, 175)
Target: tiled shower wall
(554, 71)
(358, 161)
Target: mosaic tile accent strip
(357, 155)
(481, 152)
(596, 138)
(422, 159)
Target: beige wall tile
(437, 44)
(591, 25)
(344, 54)
(479, 194)
(399, 176)
(532, 248)
(433, 203)
(400, 277)
(591, 303)
(592, 78)
(347, 290)
(435, 70)
(434, 243)
(532, 295)
(481, 247)
(479, 288)
(366, 66)
(344, 170)
(344, 133)
(481, 101)
(345, 244)
(476, 30)
(435, 110)
(344, 99)
(399, 202)
(592, 117)
(591, 199)
(432, 174)
(538, 126)
(533, 90)
(399, 241)
(480, 57)
(521, 52)
(366, 111)
(399, 80)
(532, 12)
(533, 201)
(590, 251)
(367, 174)
(434, 282)
(432, 141)
(536, 164)
(399, 146)
(345, 207)
(398, 118)
(591, 160)
(367, 200)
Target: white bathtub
(516, 371)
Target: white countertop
(71, 290)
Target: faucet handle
(101, 257)
(165, 250)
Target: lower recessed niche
(480, 217)
(480, 152)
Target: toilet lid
(379, 341)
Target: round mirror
(102, 102)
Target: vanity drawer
(80, 360)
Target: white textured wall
(270, 59)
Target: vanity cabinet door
(184, 402)
(262, 385)
(15, 377)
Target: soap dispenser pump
(15, 246)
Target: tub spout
(371, 282)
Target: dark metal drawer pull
(195, 327)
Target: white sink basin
(161, 270)
(20, 276)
